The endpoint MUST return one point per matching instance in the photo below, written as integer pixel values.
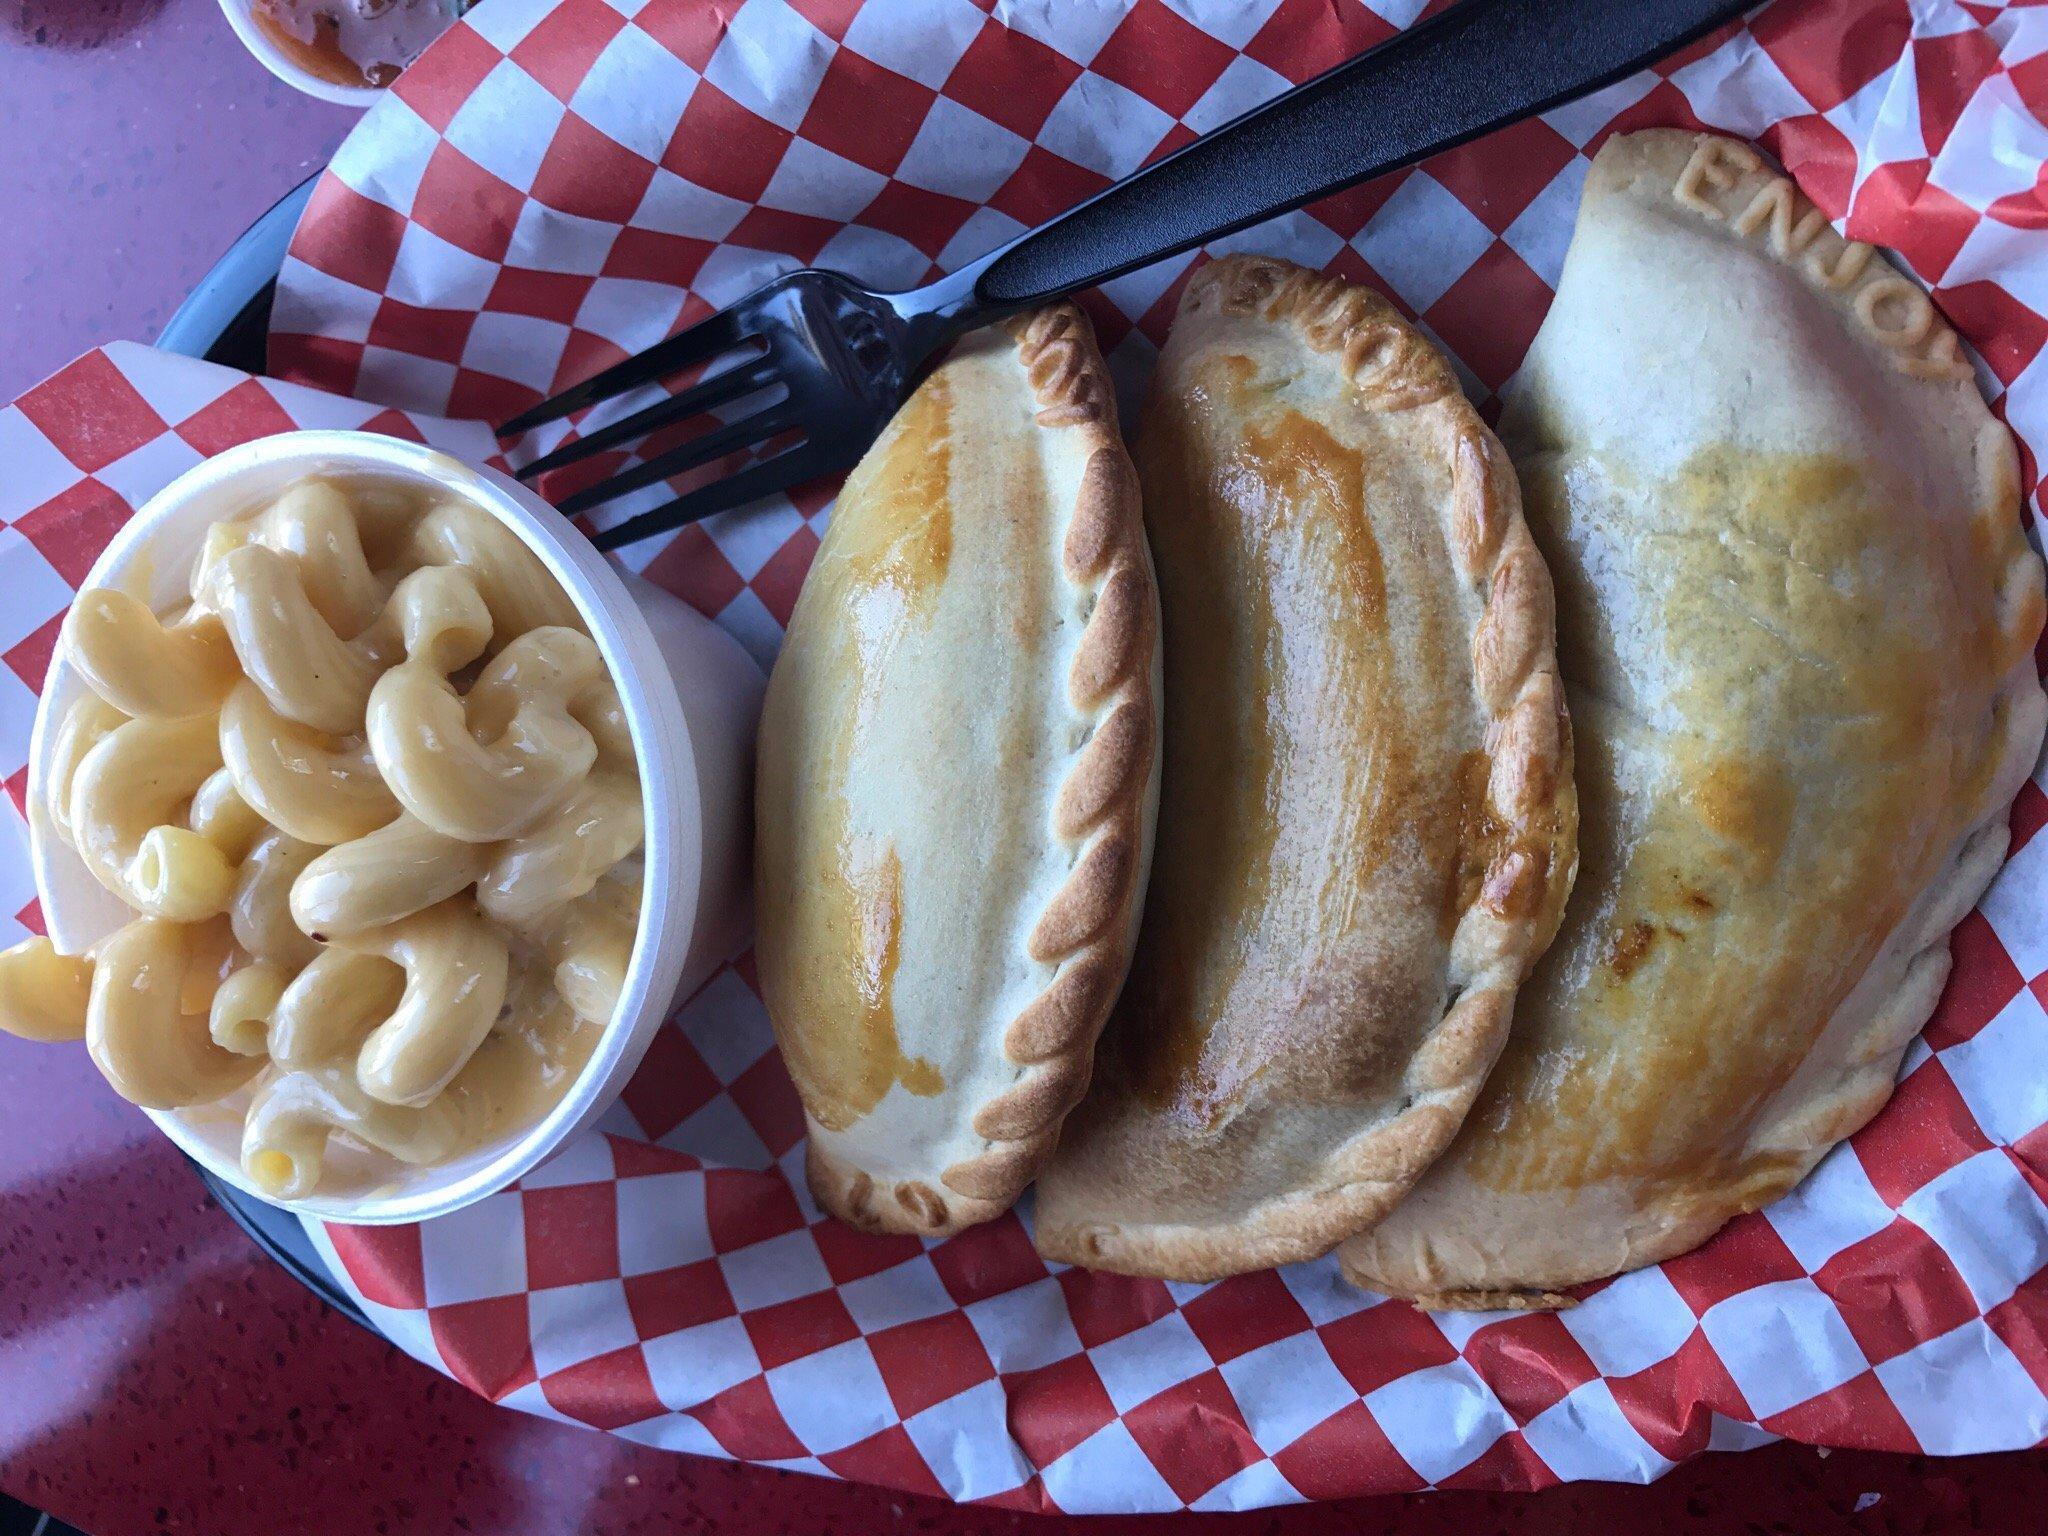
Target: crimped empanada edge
(1875, 1051)
(1103, 809)
(1395, 368)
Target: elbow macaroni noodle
(122, 800)
(314, 524)
(219, 814)
(455, 966)
(536, 874)
(151, 1049)
(318, 788)
(83, 727)
(589, 943)
(142, 666)
(374, 802)
(260, 910)
(401, 868)
(308, 672)
(284, 1136)
(516, 587)
(45, 995)
(239, 1016)
(471, 790)
(330, 1006)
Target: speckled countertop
(157, 1372)
(137, 139)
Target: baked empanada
(1366, 814)
(958, 771)
(1796, 619)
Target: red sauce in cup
(353, 42)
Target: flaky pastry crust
(1900, 495)
(1101, 814)
(1505, 915)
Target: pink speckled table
(157, 1372)
(140, 139)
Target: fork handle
(1479, 65)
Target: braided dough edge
(1101, 812)
(1727, 180)
(1516, 901)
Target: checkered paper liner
(555, 185)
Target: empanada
(1796, 618)
(1366, 815)
(958, 771)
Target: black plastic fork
(839, 358)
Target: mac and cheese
(321, 789)
(124, 798)
(374, 802)
(142, 666)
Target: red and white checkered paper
(554, 185)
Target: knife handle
(1478, 66)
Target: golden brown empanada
(1366, 815)
(1796, 616)
(958, 771)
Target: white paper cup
(689, 691)
(420, 29)
(286, 68)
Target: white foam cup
(690, 693)
(266, 51)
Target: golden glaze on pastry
(1796, 617)
(956, 785)
(1366, 811)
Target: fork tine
(703, 396)
(703, 449)
(792, 467)
(700, 343)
